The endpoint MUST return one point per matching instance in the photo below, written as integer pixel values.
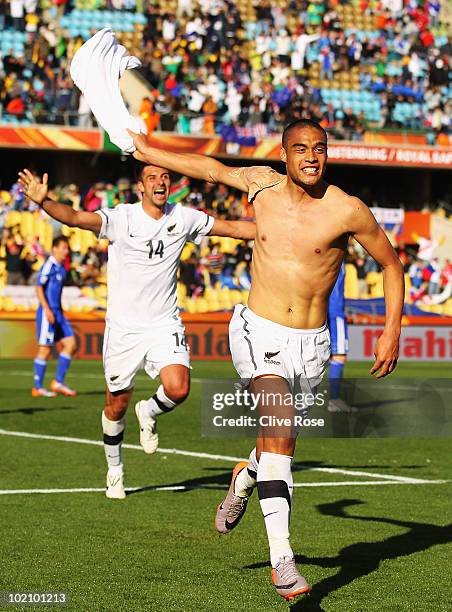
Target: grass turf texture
(373, 548)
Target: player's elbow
(394, 265)
(214, 171)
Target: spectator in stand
(150, 118)
(213, 262)
(212, 58)
(434, 282)
(14, 245)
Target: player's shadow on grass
(363, 558)
(379, 403)
(218, 481)
(221, 478)
(31, 411)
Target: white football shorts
(127, 352)
(261, 347)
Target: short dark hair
(301, 123)
(56, 241)
(138, 170)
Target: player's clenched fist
(32, 187)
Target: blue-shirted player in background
(337, 323)
(52, 325)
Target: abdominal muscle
(293, 294)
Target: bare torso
(297, 254)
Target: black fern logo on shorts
(271, 355)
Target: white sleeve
(110, 219)
(198, 223)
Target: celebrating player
(303, 226)
(51, 324)
(337, 325)
(143, 326)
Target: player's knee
(69, 345)
(339, 358)
(43, 352)
(177, 391)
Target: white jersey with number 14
(143, 258)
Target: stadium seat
(351, 282)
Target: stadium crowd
(212, 66)
(220, 263)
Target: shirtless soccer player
(303, 227)
(143, 326)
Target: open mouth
(160, 192)
(311, 170)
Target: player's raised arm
(196, 166)
(365, 229)
(37, 191)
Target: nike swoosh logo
(270, 513)
(285, 586)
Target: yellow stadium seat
(236, 296)
(26, 225)
(8, 304)
(351, 282)
(437, 308)
(100, 292)
(12, 218)
(407, 285)
(190, 306)
(201, 305)
(181, 289)
(375, 282)
(87, 292)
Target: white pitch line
(87, 375)
(165, 451)
(174, 451)
(372, 475)
(352, 483)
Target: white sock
(246, 479)
(159, 403)
(275, 486)
(113, 435)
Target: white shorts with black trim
(127, 352)
(261, 347)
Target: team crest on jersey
(268, 358)
(170, 228)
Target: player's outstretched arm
(37, 191)
(242, 230)
(368, 233)
(196, 166)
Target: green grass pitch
(362, 547)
